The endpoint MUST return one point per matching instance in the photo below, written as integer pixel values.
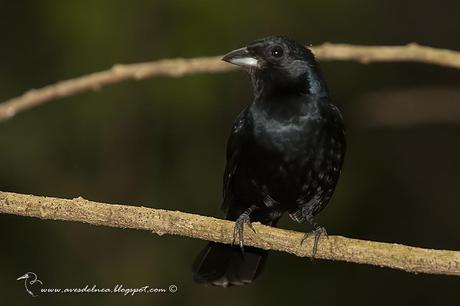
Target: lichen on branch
(396, 256)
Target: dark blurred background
(160, 143)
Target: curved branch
(408, 53)
(160, 221)
(180, 67)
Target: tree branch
(160, 221)
(180, 67)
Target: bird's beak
(22, 277)
(241, 57)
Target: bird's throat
(274, 84)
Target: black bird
(284, 154)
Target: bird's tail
(224, 265)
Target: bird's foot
(318, 232)
(238, 229)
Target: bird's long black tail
(224, 265)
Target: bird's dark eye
(277, 51)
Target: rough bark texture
(161, 222)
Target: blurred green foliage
(161, 143)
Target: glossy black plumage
(284, 154)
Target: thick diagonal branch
(160, 221)
(180, 67)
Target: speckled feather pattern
(284, 155)
(293, 158)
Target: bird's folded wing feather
(234, 146)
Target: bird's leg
(317, 231)
(238, 229)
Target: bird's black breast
(287, 153)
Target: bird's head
(279, 63)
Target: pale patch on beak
(245, 62)
(241, 57)
(22, 277)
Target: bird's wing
(234, 146)
(310, 200)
